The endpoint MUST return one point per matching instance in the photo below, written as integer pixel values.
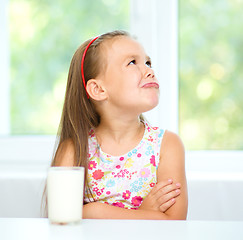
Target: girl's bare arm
(172, 165)
(155, 206)
(165, 201)
(98, 210)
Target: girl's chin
(154, 99)
(152, 104)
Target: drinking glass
(65, 194)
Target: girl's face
(129, 79)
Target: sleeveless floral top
(124, 181)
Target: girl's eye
(149, 64)
(132, 62)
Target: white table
(40, 228)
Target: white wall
(212, 196)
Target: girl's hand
(162, 196)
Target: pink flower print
(92, 134)
(150, 138)
(144, 172)
(126, 195)
(155, 128)
(137, 200)
(139, 155)
(118, 166)
(92, 164)
(98, 191)
(152, 184)
(152, 160)
(121, 174)
(108, 192)
(121, 158)
(118, 204)
(98, 174)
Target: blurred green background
(211, 74)
(45, 34)
(43, 38)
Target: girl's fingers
(161, 185)
(162, 196)
(166, 189)
(169, 196)
(167, 205)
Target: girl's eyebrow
(147, 58)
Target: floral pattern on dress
(124, 181)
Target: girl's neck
(119, 129)
(117, 136)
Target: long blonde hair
(79, 114)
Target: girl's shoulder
(65, 155)
(172, 145)
(172, 139)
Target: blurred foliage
(43, 37)
(211, 74)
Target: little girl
(133, 170)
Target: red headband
(82, 64)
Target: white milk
(65, 194)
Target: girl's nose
(149, 73)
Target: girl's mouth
(151, 85)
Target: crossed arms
(168, 198)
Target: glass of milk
(65, 194)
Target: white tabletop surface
(40, 228)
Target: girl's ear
(95, 90)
